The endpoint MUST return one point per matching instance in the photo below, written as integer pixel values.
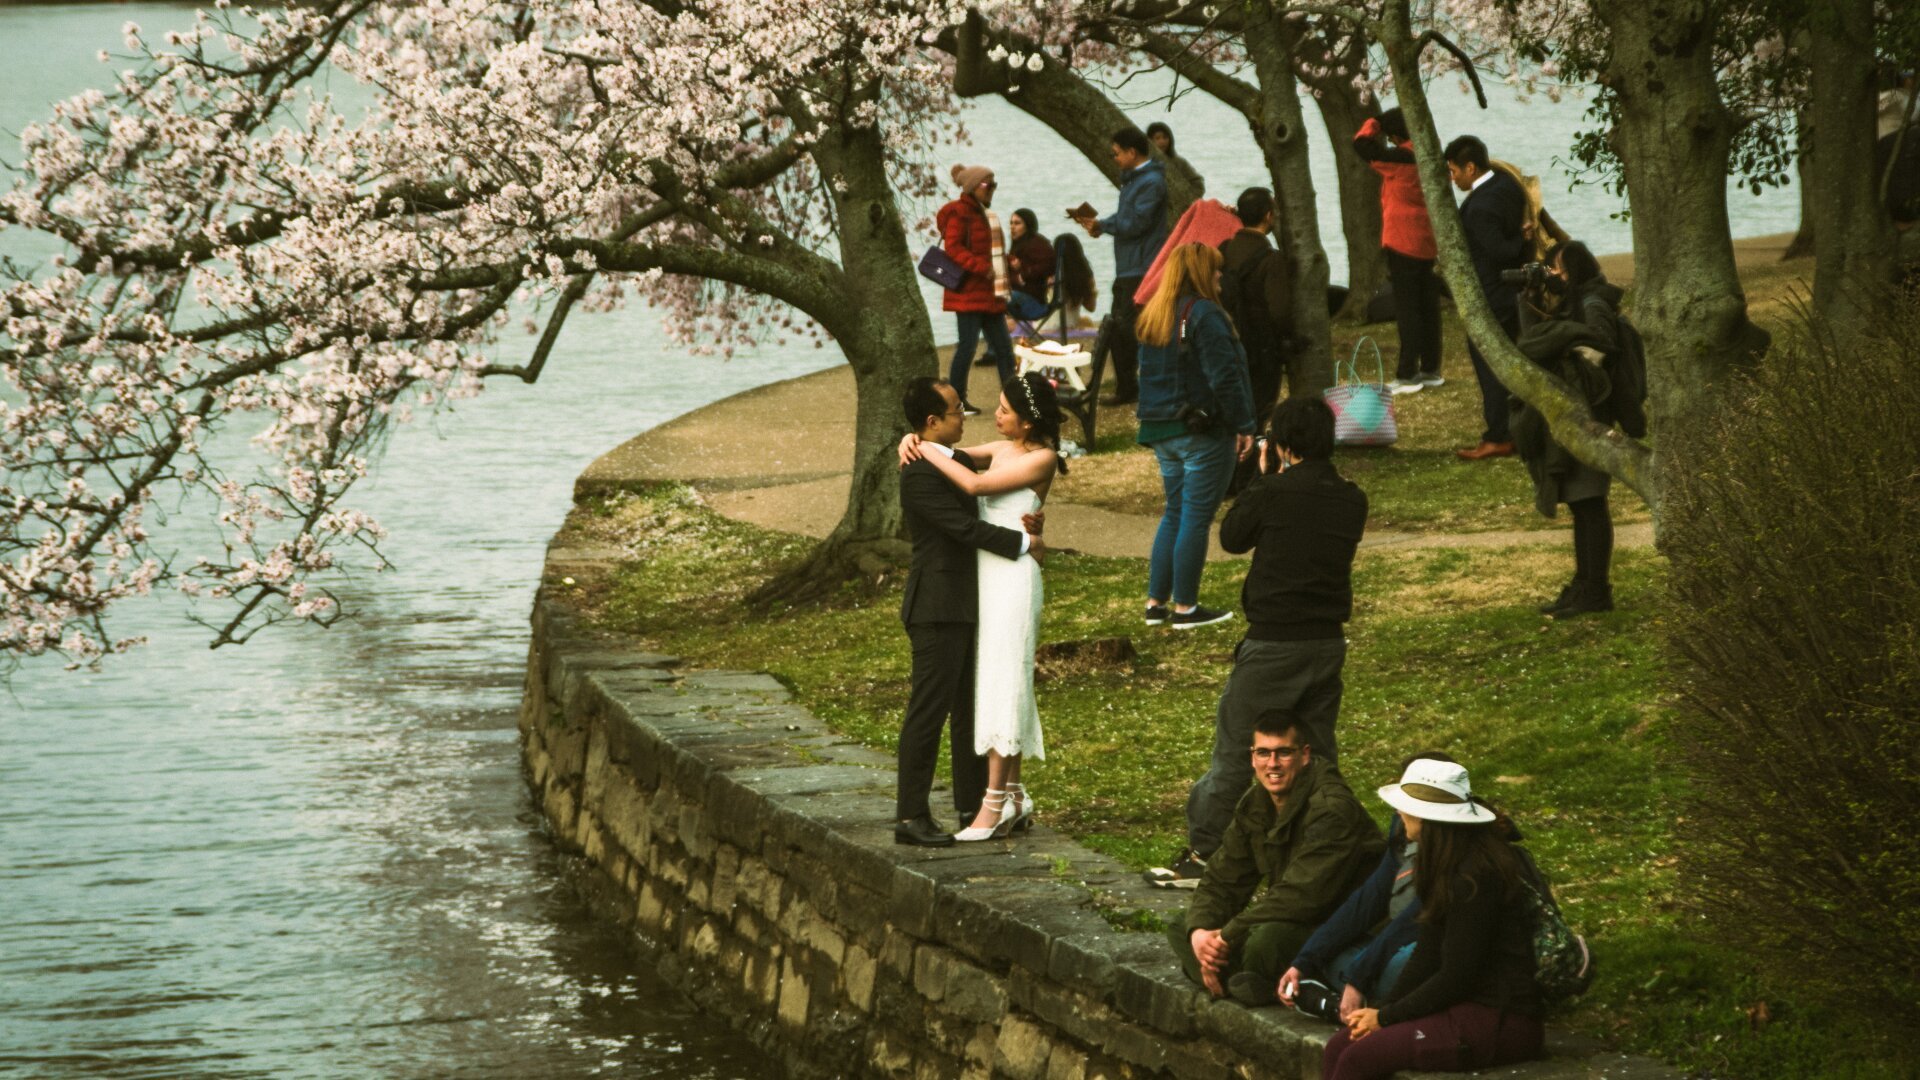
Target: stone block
(624, 812)
(910, 902)
(1139, 1046)
(824, 938)
(738, 813)
(857, 974)
(888, 1056)
(758, 682)
(896, 954)
(695, 835)
(1067, 1062)
(930, 965)
(649, 911)
(1158, 995)
(980, 1050)
(726, 870)
(1255, 1034)
(1022, 1050)
(794, 996)
(973, 994)
(861, 913)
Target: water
(314, 855)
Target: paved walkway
(799, 484)
(799, 433)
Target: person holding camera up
(1302, 520)
(1494, 216)
(1572, 327)
(1196, 413)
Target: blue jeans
(1024, 307)
(999, 346)
(1340, 972)
(1194, 473)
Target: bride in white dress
(1019, 468)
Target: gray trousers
(1303, 676)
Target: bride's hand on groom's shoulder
(909, 449)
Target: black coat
(946, 529)
(1492, 215)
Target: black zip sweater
(1481, 952)
(1302, 526)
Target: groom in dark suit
(940, 610)
(1494, 216)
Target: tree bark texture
(1058, 97)
(881, 325)
(1674, 140)
(1853, 241)
(1342, 111)
(1279, 128)
(1568, 417)
(1802, 245)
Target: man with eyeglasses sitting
(1301, 841)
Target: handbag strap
(1353, 362)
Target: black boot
(1588, 599)
(1566, 596)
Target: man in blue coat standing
(1139, 228)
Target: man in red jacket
(971, 237)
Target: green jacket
(1310, 854)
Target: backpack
(1626, 369)
(1563, 967)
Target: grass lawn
(1560, 723)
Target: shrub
(1795, 548)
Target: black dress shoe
(921, 832)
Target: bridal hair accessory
(1026, 387)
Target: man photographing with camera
(1303, 521)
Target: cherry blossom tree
(235, 254)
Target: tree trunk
(1059, 98)
(1674, 141)
(1568, 418)
(1279, 128)
(888, 340)
(1802, 245)
(1343, 112)
(1853, 239)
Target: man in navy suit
(1494, 215)
(940, 608)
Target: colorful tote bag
(1362, 411)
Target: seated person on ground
(1467, 998)
(1358, 953)
(1299, 832)
(1029, 267)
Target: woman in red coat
(1407, 235)
(971, 237)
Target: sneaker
(1201, 615)
(968, 410)
(1432, 380)
(1158, 614)
(1406, 386)
(1184, 872)
(1318, 1000)
(1253, 989)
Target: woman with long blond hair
(1196, 413)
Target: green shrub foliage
(1795, 547)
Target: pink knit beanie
(970, 177)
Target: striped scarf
(1001, 288)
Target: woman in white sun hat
(1467, 998)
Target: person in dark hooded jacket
(1571, 335)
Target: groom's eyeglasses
(954, 412)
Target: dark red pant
(1464, 1037)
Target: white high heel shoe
(996, 801)
(1023, 807)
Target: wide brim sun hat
(1436, 791)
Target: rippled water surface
(314, 855)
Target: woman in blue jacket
(1196, 413)
(1345, 957)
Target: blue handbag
(938, 267)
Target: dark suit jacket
(1492, 215)
(946, 529)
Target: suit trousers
(1493, 393)
(940, 694)
(1303, 676)
(1125, 344)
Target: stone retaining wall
(750, 850)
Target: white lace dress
(1005, 718)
